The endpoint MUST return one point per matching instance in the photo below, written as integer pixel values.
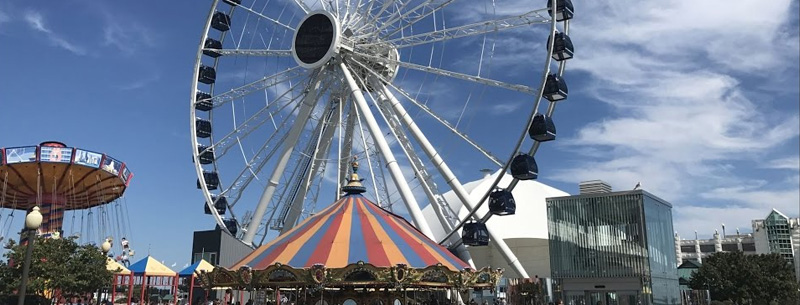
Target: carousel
(353, 252)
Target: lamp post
(32, 222)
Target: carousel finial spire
(354, 183)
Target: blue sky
(697, 101)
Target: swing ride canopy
(73, 178)
(353, 242)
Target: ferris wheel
(286, 94)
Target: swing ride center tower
(58, 178)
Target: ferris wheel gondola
(284, 94)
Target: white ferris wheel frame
(388, 105)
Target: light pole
(32, 222)
(105, 247)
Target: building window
(730, 247)
(687, 249)
(210, 257)
(707, 248)
(749, 247)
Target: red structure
(147, 273)
(58, 178)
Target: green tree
(747, 279)
(56, 265)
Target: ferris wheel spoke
(257, 86)
(414, 16)
(316, 150)
(371, 25)
(366, 15)
(257, 162)
(322, 160)
(478, 28)
(289, 189)
(250, 171)
(251, 52)
(363, 136)
(307, 105)
(457, 75)
(302, 6)
(394, 168)
(276, 22)
(346, 147)
(451, 179)
(438, 118)
(412, 13)
(254, 122)
(426, 180)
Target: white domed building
(525, 232)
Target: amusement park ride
(286, 93)
(75, 189)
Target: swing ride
(63, 180)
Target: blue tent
(201, 265)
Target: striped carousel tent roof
(352, 229)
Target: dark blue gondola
(231, 224)
(501, 203)
(524, 167)
(207, 75)
(206, 155)
(211, 43)
(221, 22)
(221, 205)
(212, 180)
(202, 128)
(475, 234)
(562, 47)
(542, 128)
(202, 101)
(564, 9)
(555, 89)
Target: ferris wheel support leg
(452, 180)
(303, 115)
(320, 152)
(383, 147)
(391, 116)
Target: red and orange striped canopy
(352, 229)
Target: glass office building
(613, 249)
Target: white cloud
(140, 83)
(792, 163)
(36, 21)
(4, 17)
(681, 81)
(128, 37)
(505, 108)
(705, 220)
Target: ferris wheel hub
(316, 40)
